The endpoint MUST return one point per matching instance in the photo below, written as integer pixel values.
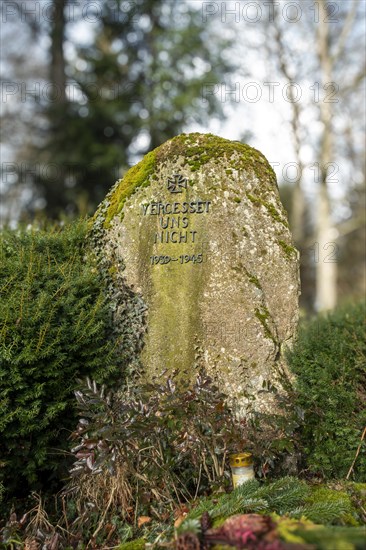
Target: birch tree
(330, 63)
(329, 57)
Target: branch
(343, 229)
(100, 525)
(345, 31)
(357, 79)
(357, 453)
(296, 110)
(350, 226)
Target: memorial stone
(197, 232)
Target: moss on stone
(112, 270)
(252, 278)
(263, 317)
(289, 250)
(174, 319)
(197, 149)
(137, 176)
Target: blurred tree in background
(333, 73)
(135, 84)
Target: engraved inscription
(183, 259)
(164, 209)
(176, 237)
(173, 222)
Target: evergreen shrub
(55, 329)
(329, 361)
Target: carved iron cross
(176, 183)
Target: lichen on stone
(270, 208)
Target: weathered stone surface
(198, 232)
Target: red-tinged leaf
(83, 454)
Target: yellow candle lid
(241, 459)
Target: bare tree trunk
(297, 218)
(326, 264)
(298, 200)
(57, 67)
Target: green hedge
(55, 328)
(329, 360)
